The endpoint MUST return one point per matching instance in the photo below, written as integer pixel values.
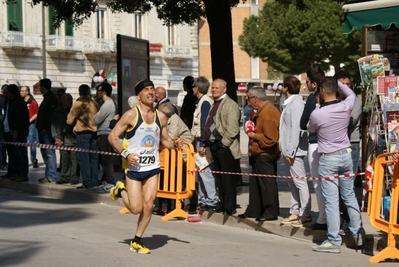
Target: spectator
(33, 109)
(3, 152)
(206, 180)
(331, 123)
(263, 192)
(81, 116)
(64, 136)
(314, 77)
(222, 131)
(102, 119)
(160, 97)
(15, 128)
(354, 136)
(188, 107)
(294, 147)
(43, 125)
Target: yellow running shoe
(139, 247)
(114, 193)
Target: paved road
(47, 232)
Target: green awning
(371, 13)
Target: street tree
(171, 12)
(292, 35)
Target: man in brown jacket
(82, 116)
(263, 191)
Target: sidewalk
(375, 240)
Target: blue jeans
(206, 185)
(49, 157)
(88, 162)
(32, 139)
(338, 163)
(355, 146)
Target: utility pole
(44, 52)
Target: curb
(372, 242)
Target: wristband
(125, 154)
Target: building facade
(72, 56)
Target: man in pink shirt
(331, 121)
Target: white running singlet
(144, 139)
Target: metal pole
(44, 42)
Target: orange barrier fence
(178, 181)
(177, 178)
(389, 226)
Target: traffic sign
(242, 88)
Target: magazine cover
(388, 86)
(370, 68)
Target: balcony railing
(99, 46)
(15, 39)
(54, 43)
(177, 52)
(63, 43)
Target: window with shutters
(51, 28)
(68, 27)
(14, 15)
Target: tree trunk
(221, 36)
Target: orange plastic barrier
(391, 227)
(178, 180)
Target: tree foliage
(171, 12)
(294, 35)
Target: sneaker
(290, 219)
(114, 193)
(105, 188)
(302, 221)
(327, 247)
(45, 180)
(139, 247)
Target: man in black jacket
(43, 125)
(15, 128)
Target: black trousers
(107, 161)
(263, 191)
(225, 183)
